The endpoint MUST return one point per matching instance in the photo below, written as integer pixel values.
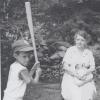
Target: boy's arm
(34, 68)
(25, 76)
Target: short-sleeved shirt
(15, 86)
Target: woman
(78, 63)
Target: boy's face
(23, 58)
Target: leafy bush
(54, 28)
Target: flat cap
(21, 45)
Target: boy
(19, 76)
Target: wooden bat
(30, 24)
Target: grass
(48, 91)
(43, 92)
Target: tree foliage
(55, 23)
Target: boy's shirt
(15, 86)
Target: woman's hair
(83, 34)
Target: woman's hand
(77, 76)
(90, 70)
(83, 78)
(85, 82)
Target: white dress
(69, 88)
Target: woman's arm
(89, 71)
(84, 82)
(69, 69)
(67, 62)
(92, 64)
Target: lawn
(47, 91)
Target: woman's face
(80, 42)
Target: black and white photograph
(50, 49)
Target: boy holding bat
(19, 76)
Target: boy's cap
(21, 45)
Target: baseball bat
(30, 25)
